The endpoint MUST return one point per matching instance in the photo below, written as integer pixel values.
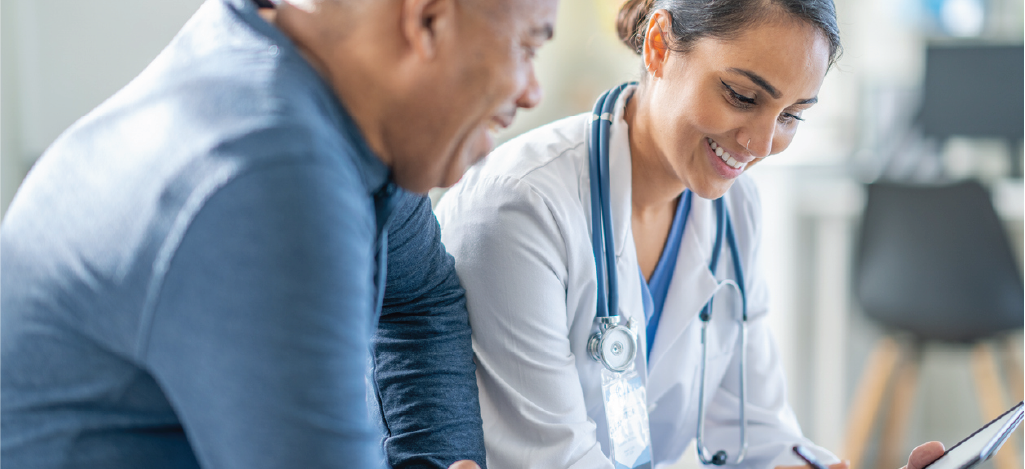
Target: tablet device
(982, 444)
(809, 458)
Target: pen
(806, 455)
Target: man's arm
(425, 371)
(261, 332)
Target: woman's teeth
(725, 155)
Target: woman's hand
(920, 457)
(464, 464)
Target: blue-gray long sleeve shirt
(192, 275)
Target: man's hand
(924, 455)
(464, 464)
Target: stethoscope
(614, 345)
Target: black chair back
(935, 261)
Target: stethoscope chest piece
(614, 345)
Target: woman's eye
(742, 98)
(736, 98)
(786, 118)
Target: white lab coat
(518, 225)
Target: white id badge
(626, 411)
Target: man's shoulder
(227, 91)
(131, 175)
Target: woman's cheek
(783, 139)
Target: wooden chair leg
(891, 443)
(1014, 372)
(868, 397)
(991, 399)
(1013, 367)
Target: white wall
(11, 162)
(61, 58)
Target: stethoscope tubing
(602, 241)
(597, 244)
(704, 454)
(723, 230)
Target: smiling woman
(745, 95)
(724, 84)
(739, 79)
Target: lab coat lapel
(690, 289)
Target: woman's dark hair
(723, 19)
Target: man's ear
(424, 21)
(656, 44)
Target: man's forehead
(537, 16)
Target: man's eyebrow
(758, 81)
(808, 101)
(545, 32)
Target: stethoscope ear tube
(597, 243)
(602, 241)
(604, 136)
(614, 345)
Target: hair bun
(631, 21)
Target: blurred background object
(932, 266)
(928, 91)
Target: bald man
(225, 262)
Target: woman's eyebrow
(764, 84)
(758, 81)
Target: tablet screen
(982, 444)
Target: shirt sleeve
(261, 333)
(424, 360)
(511, 257)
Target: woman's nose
(757, 138)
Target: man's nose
(531, 95)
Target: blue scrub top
(654, 291)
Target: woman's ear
(656, 43)
(424, 22)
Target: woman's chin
(712, 190)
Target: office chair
(933, 263)
(974, 89)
